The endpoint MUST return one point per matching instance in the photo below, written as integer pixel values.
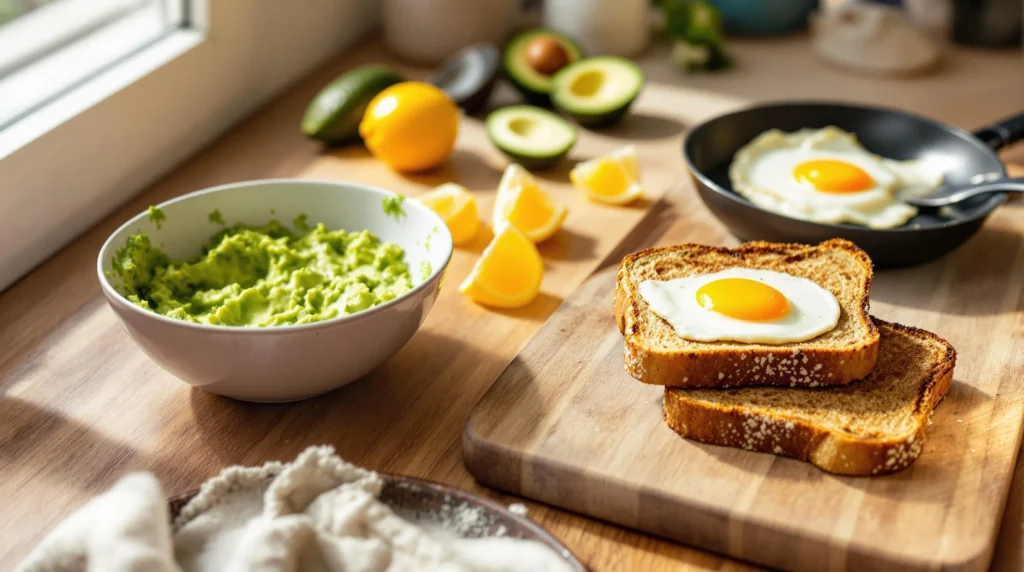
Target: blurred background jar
(764, 17)
(603, 27)
(428, 31)
(990, 23)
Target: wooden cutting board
(565, 425)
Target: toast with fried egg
(870, 427)
(655, 353)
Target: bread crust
(832, 451)
(737, 364)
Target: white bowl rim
(113, 294)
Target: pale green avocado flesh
(532, 84)
(533, 137)
(597, 91)
(265, 276)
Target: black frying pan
(968, 158)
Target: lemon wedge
(523, 204)
(613, 178)
(457, 208)
(508, 273)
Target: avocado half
(532, 84)
(533, 137)
(597, 91)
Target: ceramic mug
(603, 27)
(428, 31)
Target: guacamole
(265, 276)
(393, 206)
(157, 216)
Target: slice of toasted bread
(873, 426)
(656, 354)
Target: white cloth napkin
(317, 514)
(126, 528)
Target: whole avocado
(334, 114)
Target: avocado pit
(546, 55)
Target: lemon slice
(613, 178)
(523, 204)
(508, 273)
(457, 207)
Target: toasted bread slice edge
(831, 451)
(706, 367)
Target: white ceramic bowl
(282, 363)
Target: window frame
(48, 28)
(48, 51)
(68, 164)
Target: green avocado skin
(335, 113)
(514, 60)
(597, 120)
(534, 163)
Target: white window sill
(63, 44)
(97, 89)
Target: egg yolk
(743, 299)
(831, 176)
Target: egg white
(813, 309)
(762, 171)
(917, 178)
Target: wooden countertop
(81, 405)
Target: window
(126, 70)
(50, 46)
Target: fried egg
(743, 305)
(825, 175)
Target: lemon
(457, 207)
(613, 178)
(508, 273)
(411, 126)
(521, 202)
(334, 114)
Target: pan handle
(1002, 133)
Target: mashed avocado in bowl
(226, 295)
(265, 276)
